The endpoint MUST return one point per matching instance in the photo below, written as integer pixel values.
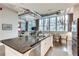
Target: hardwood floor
(58, 50)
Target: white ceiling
(41, 8)
(45, 8)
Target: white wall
(8, 16)
(76, 11)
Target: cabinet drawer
(45, 45)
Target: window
(31, 24)
(23, 24)
(41, 25)
(53, 24)
(46, 24)
(60, 23)
(66, 22)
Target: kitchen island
(27, 46)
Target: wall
(8, 16)
(76, 11)
(74, 34)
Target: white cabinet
(2, 50)
(45, 45)
(39, 49)
(11, 52)
(36, 51)
(51, 38)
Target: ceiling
(40, 8)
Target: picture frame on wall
(6, 26)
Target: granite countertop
(22, 45)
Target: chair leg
(60, 40)
(66, 40)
